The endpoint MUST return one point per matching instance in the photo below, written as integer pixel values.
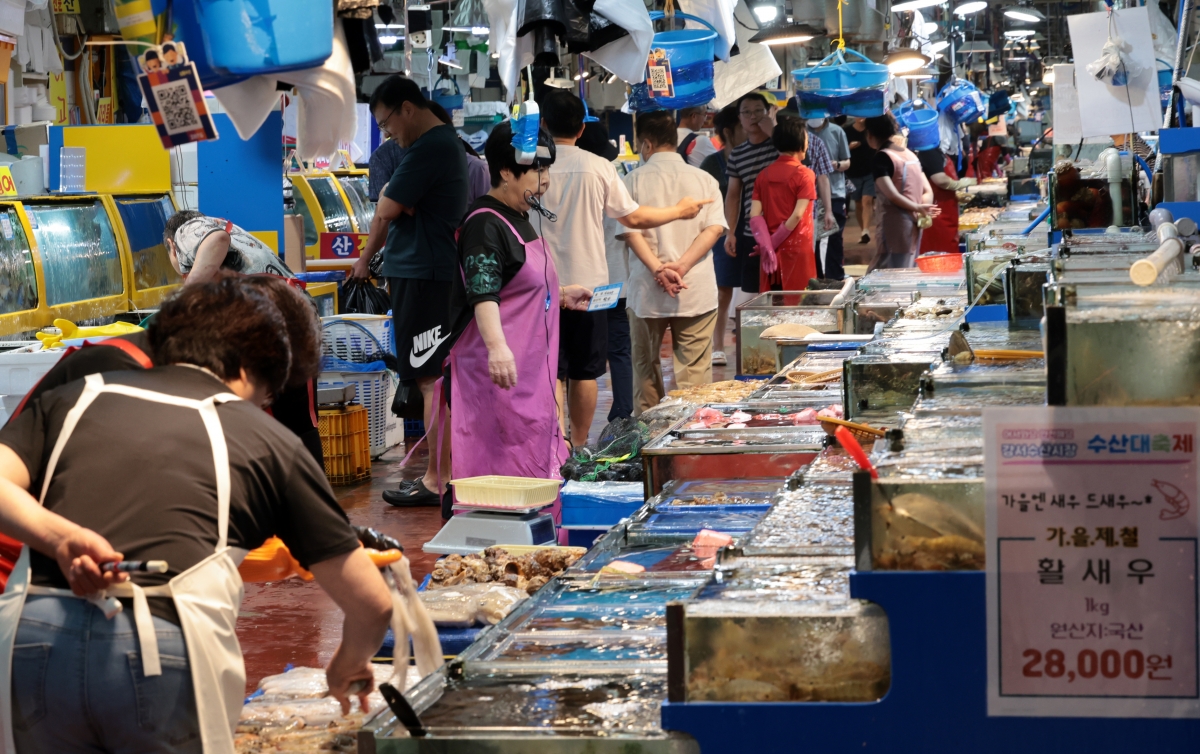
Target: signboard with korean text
(1092, 562)
(343, 245)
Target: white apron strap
(147, 636)
(220, 451)
(93, 385)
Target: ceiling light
(786, 34)
(904, 59)
(612, 79)
(915, 5)
(389, 26)
(559, 82)
(582, 75)
(917, 74)
(388, 40)
(969, 7)
(477, 31)
(1019, 33)
(765, 12)
(1024, 13)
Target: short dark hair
(499, 153)
(168, 46)
(882, 127)
(177, 221)
(303, 325)
(726, 119)
(658, 128)
(688, 112)
(753, 96)
(151, 55)
(790, 135)
(394, 91)
(224, 326)
(562, 113)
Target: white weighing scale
(492, 523)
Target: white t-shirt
(701, 147)
(584, 189)
(662, 182)
(614, 251)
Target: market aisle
(297, 623)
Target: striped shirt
(747, 160)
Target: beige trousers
(691, 339)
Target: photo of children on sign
(171, 86)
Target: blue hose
(1145, 167)
(1037, 222)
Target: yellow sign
(67, 6)
(58, 97)
(8, 186)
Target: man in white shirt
(584, 189)
(672, 281)
(693, 146)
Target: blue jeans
(78, 686)
(620, 363)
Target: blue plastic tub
(600, 503)
(830, 103)
(962, 101)
(187, 30)
(251, 37)
(841, 74)
(922, 127)
(690, 54)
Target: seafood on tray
(727, 391)
(529, 572)
(711, 418)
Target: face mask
(815, 123)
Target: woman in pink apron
(903, 196)
(504, 366)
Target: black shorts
(582, 345)
(421, 310)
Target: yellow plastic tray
(505, 491)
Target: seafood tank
(930, 524)
(756, 355)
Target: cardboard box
(293, 242)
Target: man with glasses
(416, 217)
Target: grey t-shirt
(839, 149)
(247, 254)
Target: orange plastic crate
(346, 443)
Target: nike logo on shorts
(424, 346)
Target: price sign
(343, 245)
(605, 297)
(1092, 562)
(8, 186)
(66, 6)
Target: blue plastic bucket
(690, 55)
(830, 103)
(841, 74)
(923, 130)
(251, 37)
(962, 101)
(187, 30)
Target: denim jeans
(78, 686)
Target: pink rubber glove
(766, 246)
(780, 235)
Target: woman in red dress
(781, 214)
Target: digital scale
(484, 526)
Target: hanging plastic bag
(362, 297)
(1114, 65)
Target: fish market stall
(815, 311)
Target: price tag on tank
(6, 227)
(1092, 562)
(605, 297)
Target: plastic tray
(512, 492)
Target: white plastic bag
(1114, 66)
(755, 66)
(626, 56)
(1162, 31)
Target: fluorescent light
(765, 13)
(478, 31)
(387, 40)
(389, 26)
(1024, 13)
(1019, 33)
(969, 7)
(915, 5)
(785, 34)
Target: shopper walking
(215, 474)
(729, 272)
(944, 180)
(904, 196)
(504, 364)
(416, 217)
(672, 282)
(829, 264)
(694, 147)
(584, 189)
(860, 178)
(781, 216)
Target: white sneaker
(718, 359)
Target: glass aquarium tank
(333, 208)
(756, 355)
(815, 520)
(984, 272)
(926, 524)
(355, 187)
(145, 219)
(18, 279)
(80, 260)
(873, 382)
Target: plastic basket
(962, 101)
(830, 103)
(252, 37)
(940, 261)
(414, 428)
(922, 125)
(372, 393)
(505, 491)
(345, 441)
(841, 74)
(690, 55)
(354, 337)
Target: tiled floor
(294, 622)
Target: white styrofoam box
(393, 432)
(21, 371)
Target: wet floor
(292, 622)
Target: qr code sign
(177, 107)
(658, 79)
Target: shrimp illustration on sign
(1177, 502)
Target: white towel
(626, 56)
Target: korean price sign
(1092, 561)
(8, 187)
(343, 245)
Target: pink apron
(511, 432)
(896, 233)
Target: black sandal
(412, 495)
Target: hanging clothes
(943, 234)
(896, 231)
(511, 432)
